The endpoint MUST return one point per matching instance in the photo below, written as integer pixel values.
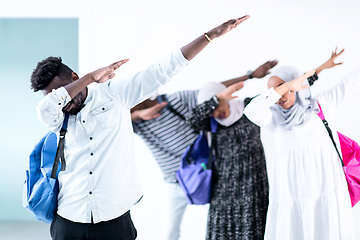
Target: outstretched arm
(331, 62)
(260, 72)
(147, 113)
(192, 49)
(294, 85)
(227, 93)
(100, 75)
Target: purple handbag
(195, 172)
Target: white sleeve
(258, 110)
(132, 90)
(337, 94)
(49, 109)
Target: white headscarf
(236, 106)
(304, 104)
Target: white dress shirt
(101, 177)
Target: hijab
(236, 107)
(304, 104)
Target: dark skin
(149, 109)
(77, 87)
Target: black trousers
(121, 228)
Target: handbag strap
(59, 157)
(326, 124)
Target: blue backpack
(41, 186)
(195, 172)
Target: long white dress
(308, 196)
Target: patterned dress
(240, 189)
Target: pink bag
(350, 160)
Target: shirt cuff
(179, 57)
(270, 96)
(62, 95)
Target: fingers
(304, 87)
(117, 64)
(308, 74)
(274, 63)
(240, 20)
(159, 106)
(111, 75)
(341, 52)
(237, 86)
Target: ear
(74, 76)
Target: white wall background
(299, 32)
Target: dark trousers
(121, 228)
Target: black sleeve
(199, 117)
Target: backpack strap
(326, 124)
(59, 157)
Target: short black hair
(46, 70)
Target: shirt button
(90, 138)
(103, 109)
(83, 121)
(91, 154)
(59, 103)
(90, 192)
(90, 172)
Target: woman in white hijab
(308, 196)
(239, 198)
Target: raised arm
(331, 62)
(147, 113)
(260, 72)
(193, 48)
(199, 117)
(258, 110)
(101, 75)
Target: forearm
(199, 117)
(235, 80)
(49, 109)
(258, 110)
(76, 86)
(192, 49)
(282, 89)
(135, 89)
(319, 69)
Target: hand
(296, 84)
(103, 74)
(226, 94)
(226, 27)
(331, 62)
(264, 69)
(150, 113)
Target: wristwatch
(250, 74)
(216, 99)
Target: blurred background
(91, 34)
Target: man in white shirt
(100, 182)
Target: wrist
(250, 74)
(88, 78)
(211, 35)
(217, 98)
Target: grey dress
(240, 188)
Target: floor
(24, 231)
